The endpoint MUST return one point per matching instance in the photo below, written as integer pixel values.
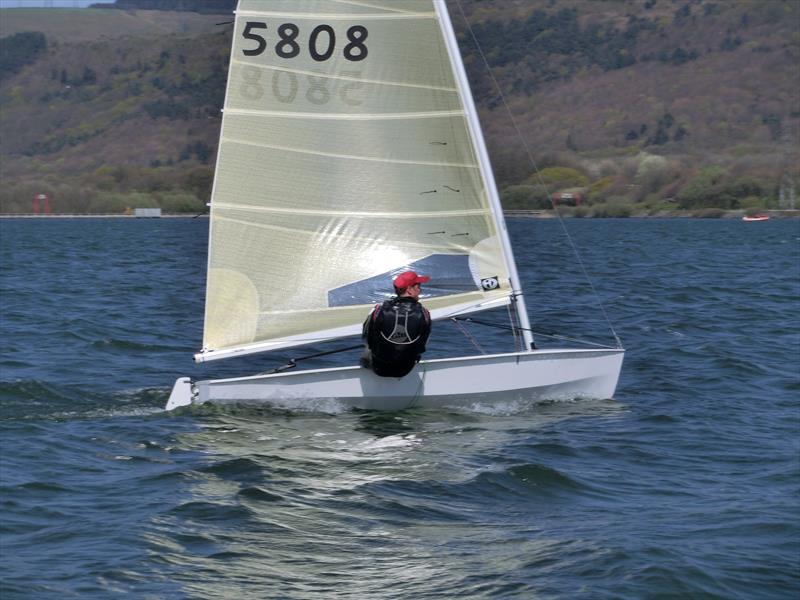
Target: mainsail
(346, 156)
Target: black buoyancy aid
(397, 332)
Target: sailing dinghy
(351, 151)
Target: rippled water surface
(685, 485)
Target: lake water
(685, 485)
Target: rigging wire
(538, 173)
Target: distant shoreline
(527, 214)
(678, 214)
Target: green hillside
(635, 105)
(110, 120)
(72, 26)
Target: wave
(532, 479)
(259, 494)
(514, 486)
(34, 399)
(117, 344)
(229, 514)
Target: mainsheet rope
(468, 335)
(539, 174)
(538, 332)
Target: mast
(479, 146)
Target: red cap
(409, 278)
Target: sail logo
(490, 283)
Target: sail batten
(346, 117)
(345, 157)
(362, 4)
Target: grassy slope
(738, 106)
(82, 138)
(727, 100)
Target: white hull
(451, 382)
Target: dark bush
(19, 50)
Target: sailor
(396, 331)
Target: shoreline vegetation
(565, 213)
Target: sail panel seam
(294, 231)
(344, 213)
(422, 247)
(370, 5)
(338, 16)
(439, 88)
(349, 156)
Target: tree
(19, 50)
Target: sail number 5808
(321, 42)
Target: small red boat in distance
(760, 217)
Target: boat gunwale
(455, 359)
